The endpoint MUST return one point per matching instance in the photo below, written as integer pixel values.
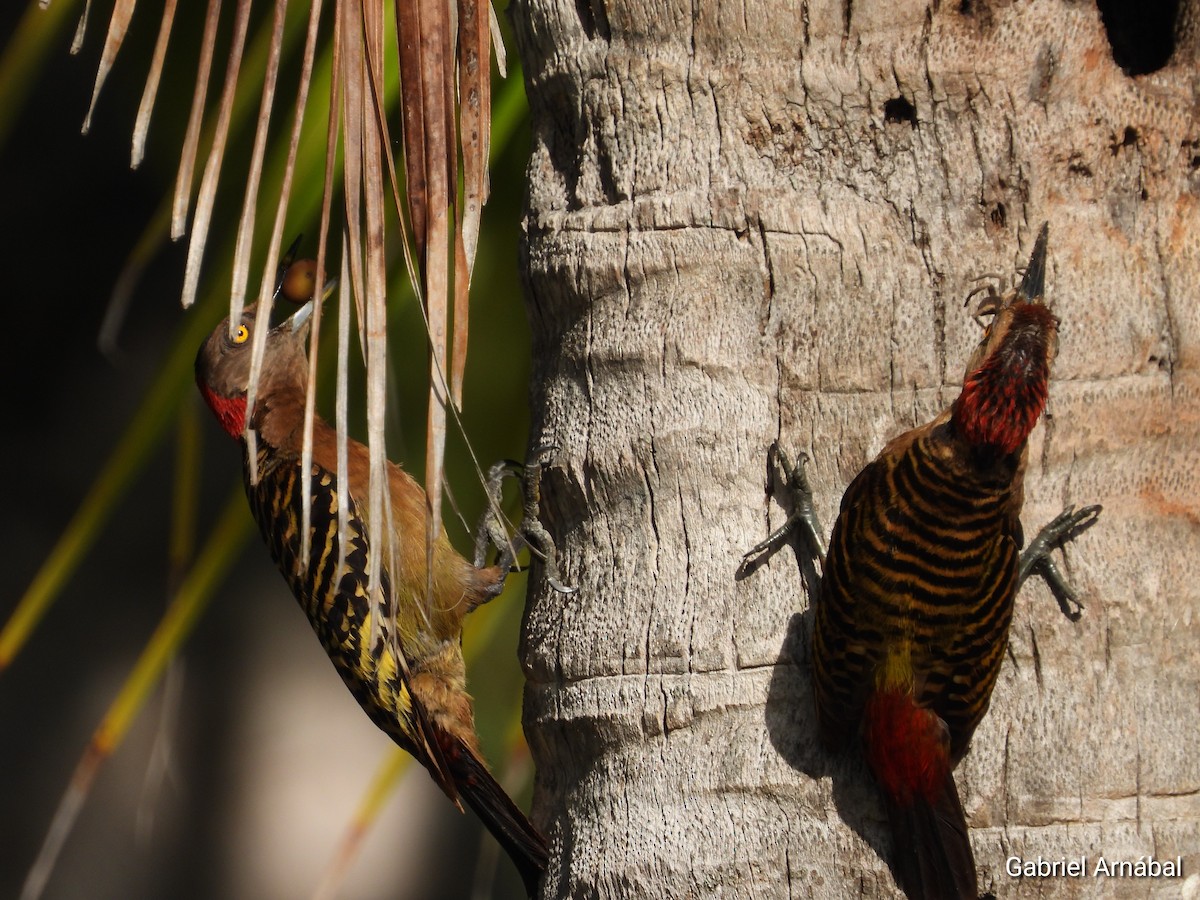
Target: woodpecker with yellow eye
(411, 680)
(917, 591)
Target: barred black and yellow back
(338, 607)
(336, 601)
(397, 648)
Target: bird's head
(223, 364)
(1007, 379)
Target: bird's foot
(803, 516)
(536, 537)
(1066, 526)
(531, 533)
(491, 530)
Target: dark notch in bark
(594, 19)
(998, 215)
(1128, 138)
(1192, 149)
(1141, 34)
(898, 109)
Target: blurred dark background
(269, 756)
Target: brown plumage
(411, 679)
(923, 567)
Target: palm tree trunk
(759, 221)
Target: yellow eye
(241, 335)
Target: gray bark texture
(759, 220)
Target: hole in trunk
(1142, 35)
(899, 110)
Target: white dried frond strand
(497, 42)
(191, 141)
(80, 29)
(306, 446)
(216, 155)
(245, 233)
(318, 298)
(333, 128)
(65, 816)
(474, 94)
(376, 308)
(433, 22)
(257, 348)
(267, 289)
(141, 126)
(352, 179)
(341, 407)
(118, 27)
(474, 109)
(352, 90)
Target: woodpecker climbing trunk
(760, 224)
(918, 589)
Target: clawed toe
(1065, 527)
(803, 514)
(530, 533)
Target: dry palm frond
(142, 126)
(118, 25)
(441, 55)
(435, 61)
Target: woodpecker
(411, 680)
(917, 589)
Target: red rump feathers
(907, 748)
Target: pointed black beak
(289, 257)
(1033, 285)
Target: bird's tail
(511, 828)
(933, 859)
(908, 750)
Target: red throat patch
(230, 411)
(999, 410)
(1002, 400)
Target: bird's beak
(1033, 285)
(298, 320)
(289, 257)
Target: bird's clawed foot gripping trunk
(915, 595)
(531, 533)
